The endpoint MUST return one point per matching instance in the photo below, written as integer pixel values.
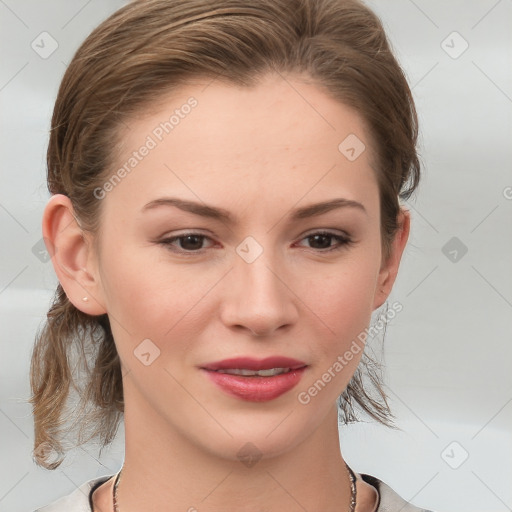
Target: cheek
(342, 300)
(150, 298)
(341, 306)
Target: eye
(192, 243)
(324, 239)
(188, 242)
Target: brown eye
(322, 241)
(187, 243)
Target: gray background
(447, 354)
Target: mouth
(257, 373)
(255, 380)
(278, 364)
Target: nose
(258, 298)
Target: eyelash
(344, 241)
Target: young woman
(225, 217)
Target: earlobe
(70, 253)
(389, 269)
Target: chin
(254, 440)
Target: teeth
(261, 373)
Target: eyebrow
(223, 215)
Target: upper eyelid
(343, 235)
(327, 231)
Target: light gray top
(80, 499)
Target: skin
(259, 153)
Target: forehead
(208, 138)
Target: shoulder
(78, 500)
(389, 500)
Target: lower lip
(256, 389)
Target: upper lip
(249, 363)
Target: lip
(253, 388)
(250, 363)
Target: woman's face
(252, 275)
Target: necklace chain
(352, 476)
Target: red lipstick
(282, 374)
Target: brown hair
(147, 48)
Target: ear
(389, 268)
(71, 252)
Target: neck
(164, 470)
